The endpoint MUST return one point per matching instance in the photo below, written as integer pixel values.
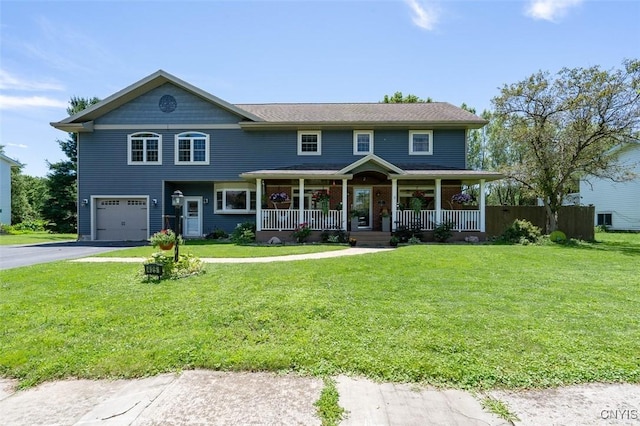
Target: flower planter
(168, 246)
(386, 224)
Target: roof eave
(335, 125)
(84, 127)
(295, 174)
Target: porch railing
(463, 220)
(288, 220)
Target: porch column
(344, 205)
(300, 200)
(258, 204)
(482, 206)
(438, 195)
(394, 204)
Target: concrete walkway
(222, 398)
(352, 251)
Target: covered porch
(368, 195)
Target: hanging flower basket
(164, 239)
(280, 200)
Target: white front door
(192, 217)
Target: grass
(329, 410)
(500, 409)
(34, 238)
(465, 316)
(206, 248)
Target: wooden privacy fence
(574, 221)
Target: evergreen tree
(61, 206)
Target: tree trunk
(552, 218)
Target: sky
(290, 51)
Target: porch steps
(371, 238)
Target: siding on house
(620, 199)
(190, 109)
(267, 140)
(6, 164)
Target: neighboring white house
(617, 203)
(6, 164)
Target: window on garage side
(235, 199)
(144, 148)
(192, 148)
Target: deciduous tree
(566, 126)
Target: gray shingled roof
(431, 112)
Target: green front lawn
(206, 248)
(35, 238)
(470, 316)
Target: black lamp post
(177, 199)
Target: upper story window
(309, 142)
(192, 148)
(362, 142)
(144, 148)
(420, 142)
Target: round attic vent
(167, 103)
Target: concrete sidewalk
(353, 251)
(222, 398)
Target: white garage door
(121, 219)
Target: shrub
(244, 233)
(414, 240)
(26, 227)
(521, 232)
(302, 232)
(558, 236)
(218, 234)
(186, 265)
(336, 236)
(442, 232)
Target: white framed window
(235, 197)
(420, 142)
(309, 142)
(192, 148)
(362, 142)
(604, 219)
(144, 148)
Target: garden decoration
(322, 197)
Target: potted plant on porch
(386, 220)
(355, 219)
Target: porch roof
(346, 171)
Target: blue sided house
(347, 166)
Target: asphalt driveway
(32, 254)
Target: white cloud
(425, 15)
(8, 102)
(550, 10)
(18, 145)
(11, 82)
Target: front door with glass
(362, 203)
(192, 217)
